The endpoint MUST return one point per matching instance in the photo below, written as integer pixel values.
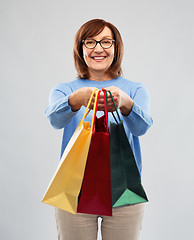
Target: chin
(99, 68)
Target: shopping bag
(126, 184)
(95, 195)
(66, 183)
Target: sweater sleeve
(139, 119)
(59, 111)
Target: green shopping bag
(126, 184)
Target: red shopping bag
(95, 195)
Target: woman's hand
(121, 99)
(81, 97)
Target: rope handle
(95, 109)
(87, 108)
(106, 108)
(115, 109)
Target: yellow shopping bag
(65, 185)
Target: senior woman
(98, 52)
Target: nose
(98, 48)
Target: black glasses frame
(83, 41)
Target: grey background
(36, 53)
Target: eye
(106, 41)
(89, 42)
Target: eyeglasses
(104, 43)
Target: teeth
(98, 58)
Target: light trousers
(125, 224)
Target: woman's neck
(99, 76)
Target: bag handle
(87, 108)
(106, 108)
(95, 110)
(105, 111)
(115, 109)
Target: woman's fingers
(101, 106)
(101, 102)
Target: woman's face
(99, 59)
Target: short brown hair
(90, 29)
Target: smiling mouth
(99, 58)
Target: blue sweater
(136, 123)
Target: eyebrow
(107, 36)
(102, 37)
